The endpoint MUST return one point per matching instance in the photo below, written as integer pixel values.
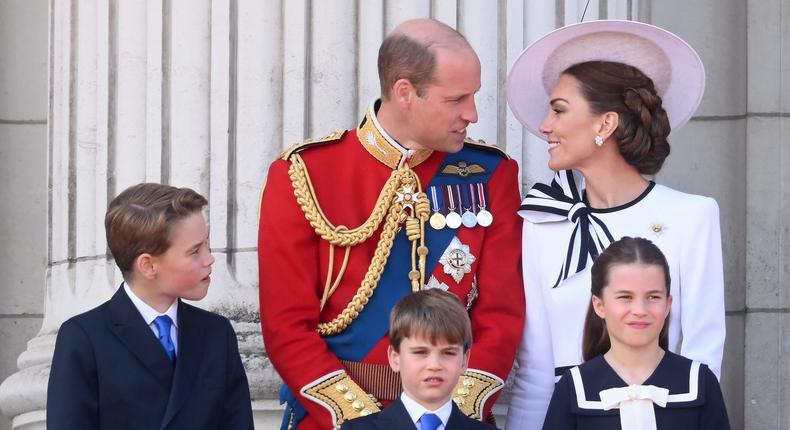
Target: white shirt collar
(149, 313)
(416, 410)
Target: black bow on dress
(560, 201)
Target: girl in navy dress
(629, 379)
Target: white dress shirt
(416, 411)
(149, 315)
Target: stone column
(23, 177)
(171, 91)
(767, 347)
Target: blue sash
(371, 325)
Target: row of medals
(454, 219)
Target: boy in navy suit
(430, 338)
(144, 359)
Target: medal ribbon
(450, 199)
(460, 199)
(474, 200)
(481, 196)
(435, 200)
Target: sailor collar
(382, 146)
(589, 379)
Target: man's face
(439, 118)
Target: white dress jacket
(686, 229)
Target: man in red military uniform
(351, 223)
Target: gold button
(463, 391)
(341, 387)
(364, 412)
(469, 382)
(358, 405)
(459, 400)
(350, 396)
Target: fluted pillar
(172, 91)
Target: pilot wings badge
(463, 169)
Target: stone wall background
(98, 94)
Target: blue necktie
(429, 421)
(163, 323)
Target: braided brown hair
(643, 128)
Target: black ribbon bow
(561, 201)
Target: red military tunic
(347, 171)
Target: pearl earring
(599, 140)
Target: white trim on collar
(693, 387)
(583, 403)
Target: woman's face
(634, 305)
(570, 127)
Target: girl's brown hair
(627, 250)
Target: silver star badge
(434, 283)
(457, 260)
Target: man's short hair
(141, 218)
(433, 315)
(404, 57)
(401, 57)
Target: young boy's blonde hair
(140, 220)
(432, 314)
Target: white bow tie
(636, 405)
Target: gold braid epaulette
(389, 207)
(487, 147)
(336, 235)
(335, 136)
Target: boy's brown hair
(433, 315)
(141, 218)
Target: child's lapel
(187, 362)
(130, 328)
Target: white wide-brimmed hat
(673, 65)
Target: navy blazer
(109, 371)
(395, 417)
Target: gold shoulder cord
(402, 191)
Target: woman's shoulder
(682, 199)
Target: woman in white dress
(605, 95)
